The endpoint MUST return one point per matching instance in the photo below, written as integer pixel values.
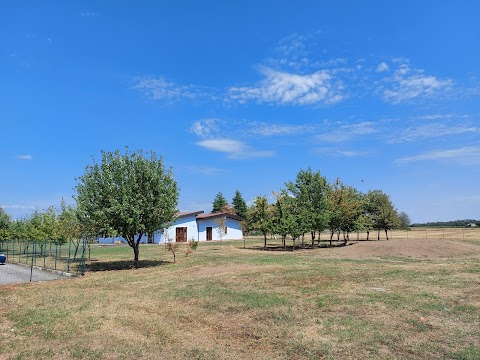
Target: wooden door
(209, 233)
(181, 234)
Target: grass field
(399, 299)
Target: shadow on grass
(325, 245)
(122, 265)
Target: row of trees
(310, 204)
(57, 226)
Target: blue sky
(242, 95)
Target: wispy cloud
(436, 116)
(89, 13)
(24, 157)
(467, 155)
(431, 131)
(205, 128)
(339, 152)
(206, 170)
(233, 148)
(349, 131)
(408, 83)
(283, 88)
(382, 67)
(272, 129)
(158, 88)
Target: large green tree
(311, 191)
(382, 212)
(219, 203)
(345, 209)
(127, 193)
(239, 205)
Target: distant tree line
(452, 223)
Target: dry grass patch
(224, 302)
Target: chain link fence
(41, 260)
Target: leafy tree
(129, 194)
(382, 212)
(5, 225)
(219, 202)
(239, 205)
(259, 217)
(289, 217)
(345, 209)
(364, 221)
(404, 220)
(311, 191)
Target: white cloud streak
(233, 148)
(467, 155)
(350, 131)
(267, 130)
(431, 131)
(206, 170)
(160, 89)
(24, 157)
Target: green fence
(62, 258)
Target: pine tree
(219, 202)
(239, 205)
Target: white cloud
(266, 129)
(347, 132)
(205, 127)
(287, 88)
(206, 170)
(408, 84)
(89, 13)
(160, 89)
(436, 116)
(432, 130)
(340, 152)
(467, 155)
(233, 148)
(382, 67)
(24, 157)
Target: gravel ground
(14, 273)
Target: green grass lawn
(226, 302)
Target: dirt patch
(425, 248)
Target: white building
(194, 225)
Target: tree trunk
(265, 240)
(386, 233)
(368, 235)
(293, 247)
(136, 251)
(331, 237)
(378, 235)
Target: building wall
(144, 240)
(234, 229)
(189, 222)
